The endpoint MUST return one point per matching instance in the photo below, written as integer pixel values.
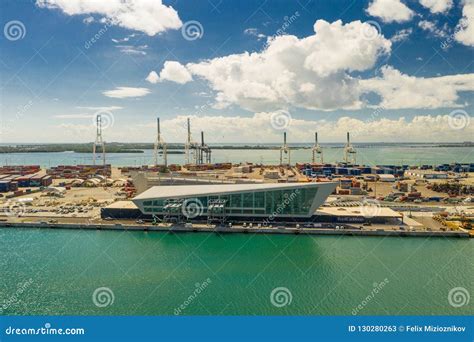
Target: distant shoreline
(115, 147)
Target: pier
(225, 229)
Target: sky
(242, 71)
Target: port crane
(99, 141)
(317, 150)
(160, 146)
(191, 147)
(284, 152)
(349, 152)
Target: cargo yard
(91, 198)
(377, 200)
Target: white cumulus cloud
(401, 35)
(390, 11)
(230, 129)
(153, 77)
(319, 73)
(432, 28)
(123, 92)
(312, 72)
(403, 91)
(172, 71)
(437, 6)
(465, 29)
(148, 16)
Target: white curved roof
(177, 191)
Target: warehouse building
(426, 174)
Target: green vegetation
(112, 147)
(79, 148)
(174, 148)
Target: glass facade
(268, 202)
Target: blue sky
(72, 59)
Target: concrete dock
(221, 229)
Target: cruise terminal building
(253, 202)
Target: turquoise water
(152, 273)
(414, 155)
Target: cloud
(73, 116)
(106, 108)
(311, 72)
(401, 35)
(254, 32)
(431, 27)
(148, 16)
(153, 77)
(123, 92)
(124, 39)
(376, 128)
(390, 11)
(93, 110)
(132, 50)
(465, 29)
(172, 71)
(231, 129)
(437, 6)
(402, 91)
(88, 20)
(317, 73)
